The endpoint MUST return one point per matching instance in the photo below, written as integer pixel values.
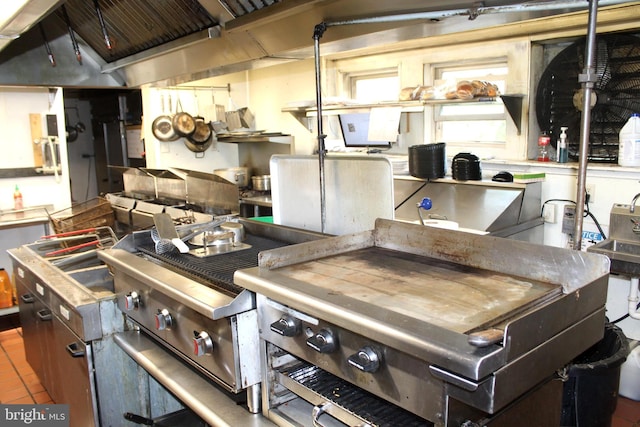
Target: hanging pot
(202, 133)
(197, 148)
(183, 123)
(163, 130)
(162, 126)
(72, 133)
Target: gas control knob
(163, 320)
(367, 359)
(287, 326)
(202, 343)
(323, 342)
(132, 300)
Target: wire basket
(93, 213)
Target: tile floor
(20, 385)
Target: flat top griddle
(450, 295)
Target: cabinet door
(29, 305)
(75, 364)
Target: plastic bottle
(563, 154)
(6, 290)
(17, 199)
(629, 142)
(543, 147)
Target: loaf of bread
(484, 89)
(407, 93)
(416, 93)
(464, 90)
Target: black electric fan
(616, 94)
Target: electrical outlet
(591, 191)
(549, 213)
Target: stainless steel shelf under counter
(35, 215)
(256, 205)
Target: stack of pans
(427, 160)
(466, 167)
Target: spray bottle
(563, 154)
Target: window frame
(418, 66)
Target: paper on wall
(384, 123)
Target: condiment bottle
(17, 199)
(543, 147)
(563, 154)
(6, 290)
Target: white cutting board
(358, 189)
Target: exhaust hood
(143, 42)
(17, 17)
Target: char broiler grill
(427, 326)
(190, 306)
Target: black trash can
(590, 392)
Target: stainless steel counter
(35, 215)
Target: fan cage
(616, 94)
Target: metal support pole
(588, 78)
(317, 34)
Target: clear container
(629, 142)
(543, 147)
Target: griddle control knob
(202, 343)
(163, 320)
(323, 342)
(287, 326)
(367, 359)
(132, 300)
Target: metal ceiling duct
(177, 41)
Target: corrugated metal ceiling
(131, 26)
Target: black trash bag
(591, 391)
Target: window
(372, 88)
(477, 122)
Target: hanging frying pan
(202, 133)
(162, 126)
(183, 123)
(197, 148)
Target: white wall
(16, 147)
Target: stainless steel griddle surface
(453, 296)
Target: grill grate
(218, 269)
(373, 409)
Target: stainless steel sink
(624, 255)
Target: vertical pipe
(319, 30)
(588, 78)
(122, 126)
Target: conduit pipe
(634, 312)
(588, 78)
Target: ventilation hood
(147, 43)
(17, 17)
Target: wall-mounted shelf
(513, 104)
